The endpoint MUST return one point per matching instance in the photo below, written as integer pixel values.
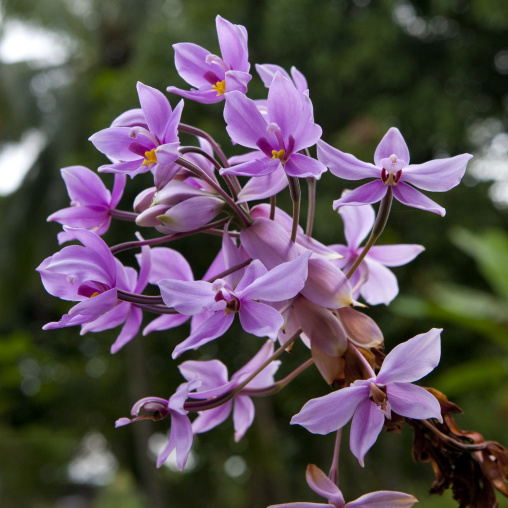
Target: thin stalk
(365, 363)
(123, 215)
(273, 204)
(233, 269)
(454, 442)
(201, 174)
(311, 188)
(126, 296)
(194, 149)
(334, 470)
(294, 189)
(211, 403)
(189, 129)
(168, 238)
(379, 225)
(278, 385)
(156, 309)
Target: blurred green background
(437, 69)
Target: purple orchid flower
(322, 485)
(213, 76)
(392, 169)
(381, 284)
(372, 400)
(91, 201)
(155, 408)
(140, 148)
(267, 72)
(287, 128)
(213, 375)
(222, 302)
(91, 275)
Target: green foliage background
(425, 66)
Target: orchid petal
(258, 167)
(211, 418)
(264, 186)
(245, 124)
(168, 264)
(437, 175)
(366, 194)
(365, 428)
(156, 109)
(284, 105)
(212, 373)
(413, 359)
(216, 326)
(254, 271)
(114, 142)
(85, 187)
(260, 319)
(301, 166)
(345, 165)
(165, 322)
(129, 329)
(409, 196)
(327, 285)
(358, 221)
(243, 415)
(187, 297)
(269, 242)
(392, 144)
(233, 44)
(361, 329)
(280, 283)
(381, 285)
(383, 499)
(413, 401)
(395, 255)
(190, 62)
(331, 412)
(322, 485)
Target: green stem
(379, 225)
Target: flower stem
(211, 403)
(379, 225)
(311, 187)
(233, 269)
(278, 385)
(168, 238)
(123, 215)
(294, 189)
(201, 174)
(334, 470)
(365, 363)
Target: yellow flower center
(220, 87)
(278, 154)
(150, 158)
(94, 294)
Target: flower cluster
(285, 285)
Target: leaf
(490, 251)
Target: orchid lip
(390, 178)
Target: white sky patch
(17, 158)
(21, 42)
